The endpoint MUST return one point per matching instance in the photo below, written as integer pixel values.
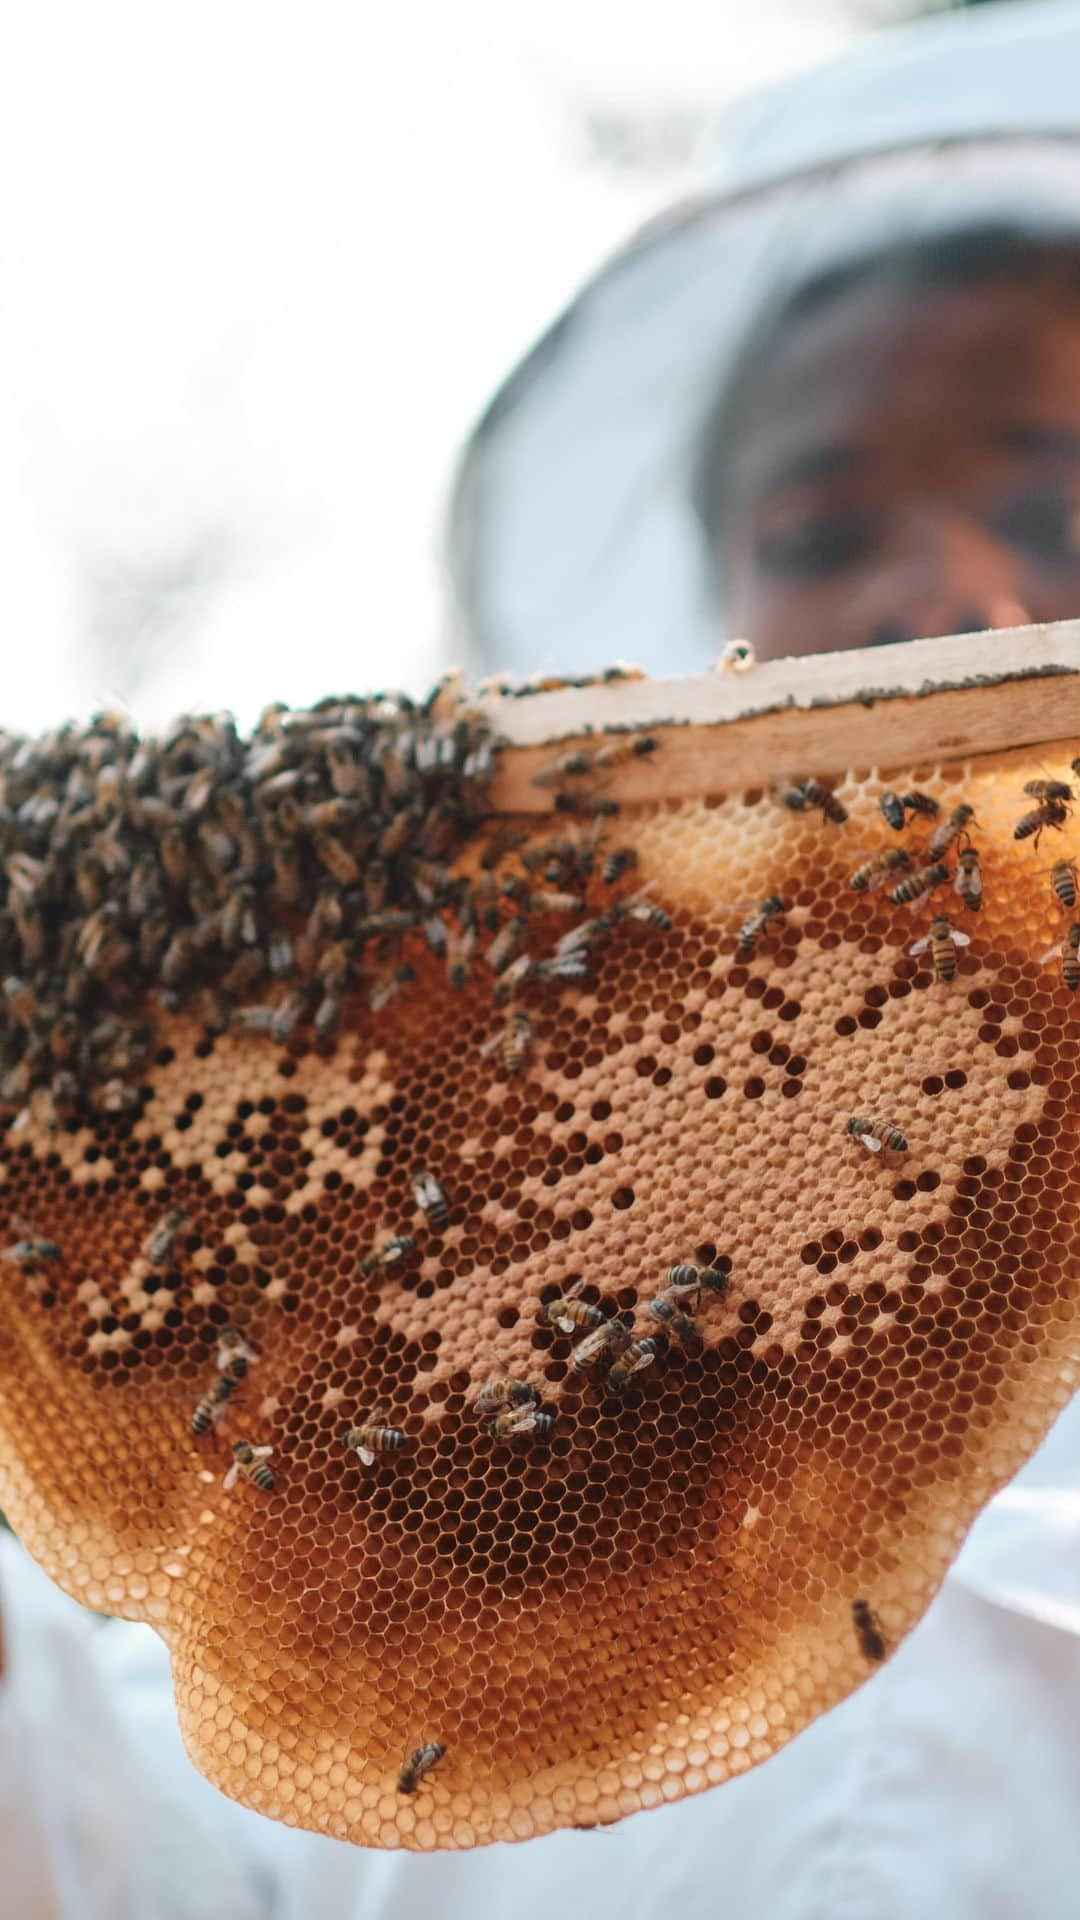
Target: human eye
(1042, 521)
(816, 546)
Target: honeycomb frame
(657, 1595)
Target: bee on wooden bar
(757, 923)
(636, 1357)
(251, 1463)
(418, 1764)
(617, 752)
(868, 1633)
(876, 1134)
(1063, 881)
(371, 1437)
(612, 1338)
(531, 1420)
(430, 1197)
(570, 1310)
(942, 940)
(387, 1253)
(673, 1320)
(1049, 813)
(870, 875)
(568, 766)
(918, 886)
(500, 1391)
(968, 878)
(159, 1242)
(1069, 955)
(210, 1408)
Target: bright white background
(262, 266)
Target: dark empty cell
(715, 1087)
(703, 1056)
(845, 1026)
(753, 1088)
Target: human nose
(943, 573)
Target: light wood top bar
(878, 707)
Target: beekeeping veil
(573, 532)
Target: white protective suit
(948, 1787)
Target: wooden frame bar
(907, 705)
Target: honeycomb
(659, 1592)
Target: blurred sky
(263, 265)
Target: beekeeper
(834, 402)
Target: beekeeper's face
(908, 466)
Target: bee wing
(366, 1456)
(232, 1476)
(262, 1453)
(1052, 953)
(577, 1288)
(920, 946)
(960, 939)
(567, 1326)
(491, 1045)
(867, 1140)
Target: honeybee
(371, 1438)
(870, 875)
(942, 939)
(644, 911)
(637, 1356)
(21, 1000)
(587, 933)
(388, 986)
(159, 1242)
(560, 966)
(547, 902)
(757, 922)
(568, 766)
(876, 1134)
(503, 1392)
(918, 886)
(459, 949)
(570, 1310)
(968, 879)
(895, 806)
(1063, 881)
(623, 860)
(1049, 813)
(30, 1246)
(1048, 790)
(430, 1197)
(585, 803)
(506, 943)
(1069, 955)
(949, 830)
(675, 1321)
(870, 1636)
(235, 1354)
(685, 1278)
(387, 1253)
(617, 752)
(515, 1040)
(812, 793)
(251, 1462)
(528, 1419)
(418, 1764)
(612, 1338)
(209, 1409)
